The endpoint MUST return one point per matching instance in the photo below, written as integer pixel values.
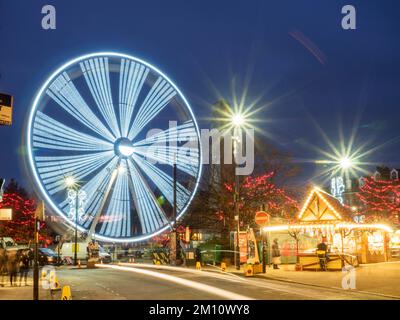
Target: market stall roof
(321, 210)
(321, 207)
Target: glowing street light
(345, 163)
(238, 120)
(70, 181)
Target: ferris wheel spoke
(97, 75)
(151, 215)
(117, 217)
(53, 170)
(51, 134)
(95, 188)
(132, 77)
(164, 182)
(187, 159)
(162, 147)
(181, 133)
(158, 97)
(64, 92)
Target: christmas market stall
(324, 219)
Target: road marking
(188, 283)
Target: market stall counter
(310, 261)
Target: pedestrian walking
(3, 265)
(24, 268)
(13, 266)
(276, 254)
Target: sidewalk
(25, 292)
(380, 278)
(22, 292)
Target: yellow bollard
(223, 266)
(248, 270)
(198, 265)
(66, 293)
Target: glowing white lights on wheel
(113, 126)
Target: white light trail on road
(220, 275)
(187, 283)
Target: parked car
(47, 256)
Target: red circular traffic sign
(262, 218)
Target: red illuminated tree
(257, 192)
(381, 200)
(214, 208)
(21, 227)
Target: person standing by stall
(322, 253)
(276, 254)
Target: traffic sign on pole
(262, 218)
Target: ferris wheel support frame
(92, 232)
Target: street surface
(150, 282)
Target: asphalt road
(151, 282)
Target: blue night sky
(202, 45)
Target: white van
(67, 251)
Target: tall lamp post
(76, 197)
(234, 119)
(238, 121)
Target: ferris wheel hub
(124, 147)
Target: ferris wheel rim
(38, 181)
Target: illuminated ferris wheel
(105, 133)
